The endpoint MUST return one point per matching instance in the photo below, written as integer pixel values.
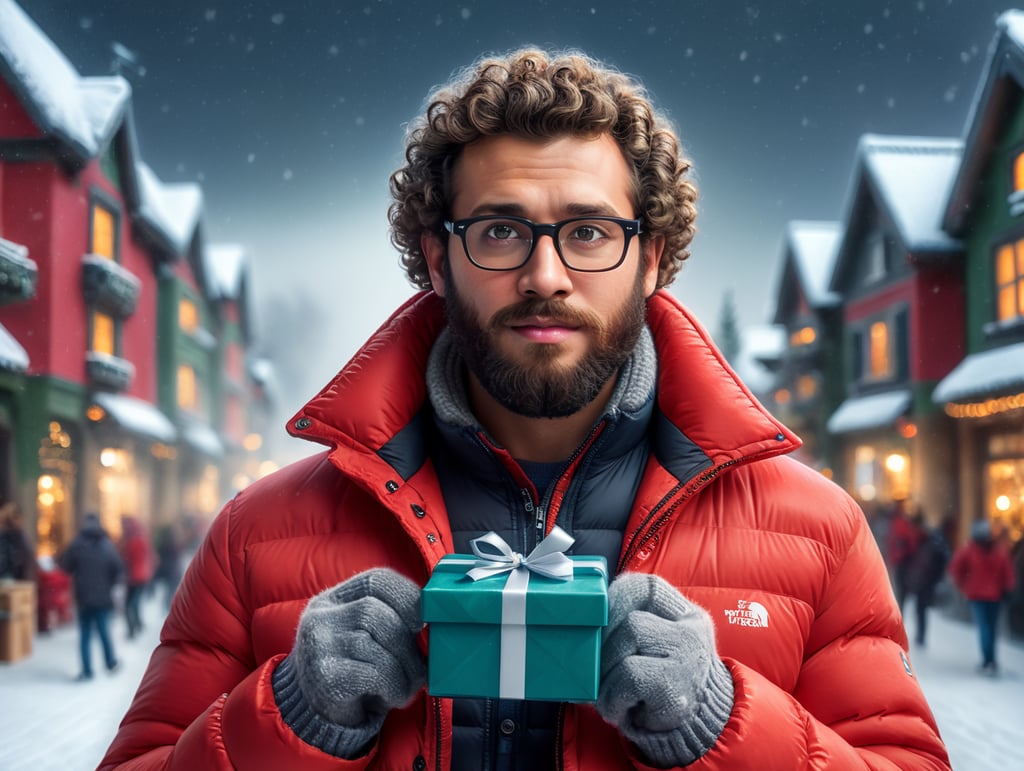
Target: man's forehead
(496, 174)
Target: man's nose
(544, 274)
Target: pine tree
(728, 337)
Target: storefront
(984, 394)
(127, 450)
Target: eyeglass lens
(584, 244)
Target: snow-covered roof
(814, 246)
(1002, 76)
(12, 355)
(226, 266)
(861, 413)
(982, 374)
(84, 112)
(914, 176)
(137, 416)
(174, 209)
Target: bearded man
(541, 378)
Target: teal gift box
(483, 645)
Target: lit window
(188, 395)
(806, 387)
(880, 352)
(1018, 173)
(188, 315)
(103, 240)
(802, 336)
(1010, 281)
(103, 338)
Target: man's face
(542, 340)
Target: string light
(986, 408)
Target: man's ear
(434, 253)
(651, 255)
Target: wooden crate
(17, 619)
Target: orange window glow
(188, 396)
(1009, 270)
(102, 333)
(879, 353)
(1018, 173)
(188, 315)
(102, 232)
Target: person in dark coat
(17, 559)
(93, 562)
(926, 567)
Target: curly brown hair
(537, 94)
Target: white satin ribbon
(547, 558)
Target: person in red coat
(137, 553)
(982, 571)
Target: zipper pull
(527, 500)
(539, 523)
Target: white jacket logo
(748, 614)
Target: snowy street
(53, 723)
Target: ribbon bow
(547, 559)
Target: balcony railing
(109, 371)
(109, 286)
(18, 274)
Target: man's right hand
(355, 658)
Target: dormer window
(1016, 197)
(877, 264)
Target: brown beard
(539, 388)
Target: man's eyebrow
(572, 210)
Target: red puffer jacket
(779, 556)
(982, 572)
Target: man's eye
(502, 232)
(587, 234)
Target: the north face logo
(748, 614)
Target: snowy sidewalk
(52, 723)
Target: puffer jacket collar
(371, 413)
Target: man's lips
(543, 330)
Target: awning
(12, 356)
(865, 412)
(137, 416)
(983, 374)
(201, 437)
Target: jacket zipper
(636, 543)
(437, 733)
(559, 749)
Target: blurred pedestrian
(168, 561)
(926, 568)
(95, 568)
(903, 538)
(982, 571)
(17, 560)
(138, 556)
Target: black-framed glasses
(585, 244)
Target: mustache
(558, 310)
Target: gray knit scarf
(446, 381)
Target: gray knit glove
(662, 683)
(354, 659)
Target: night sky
(292, 114)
